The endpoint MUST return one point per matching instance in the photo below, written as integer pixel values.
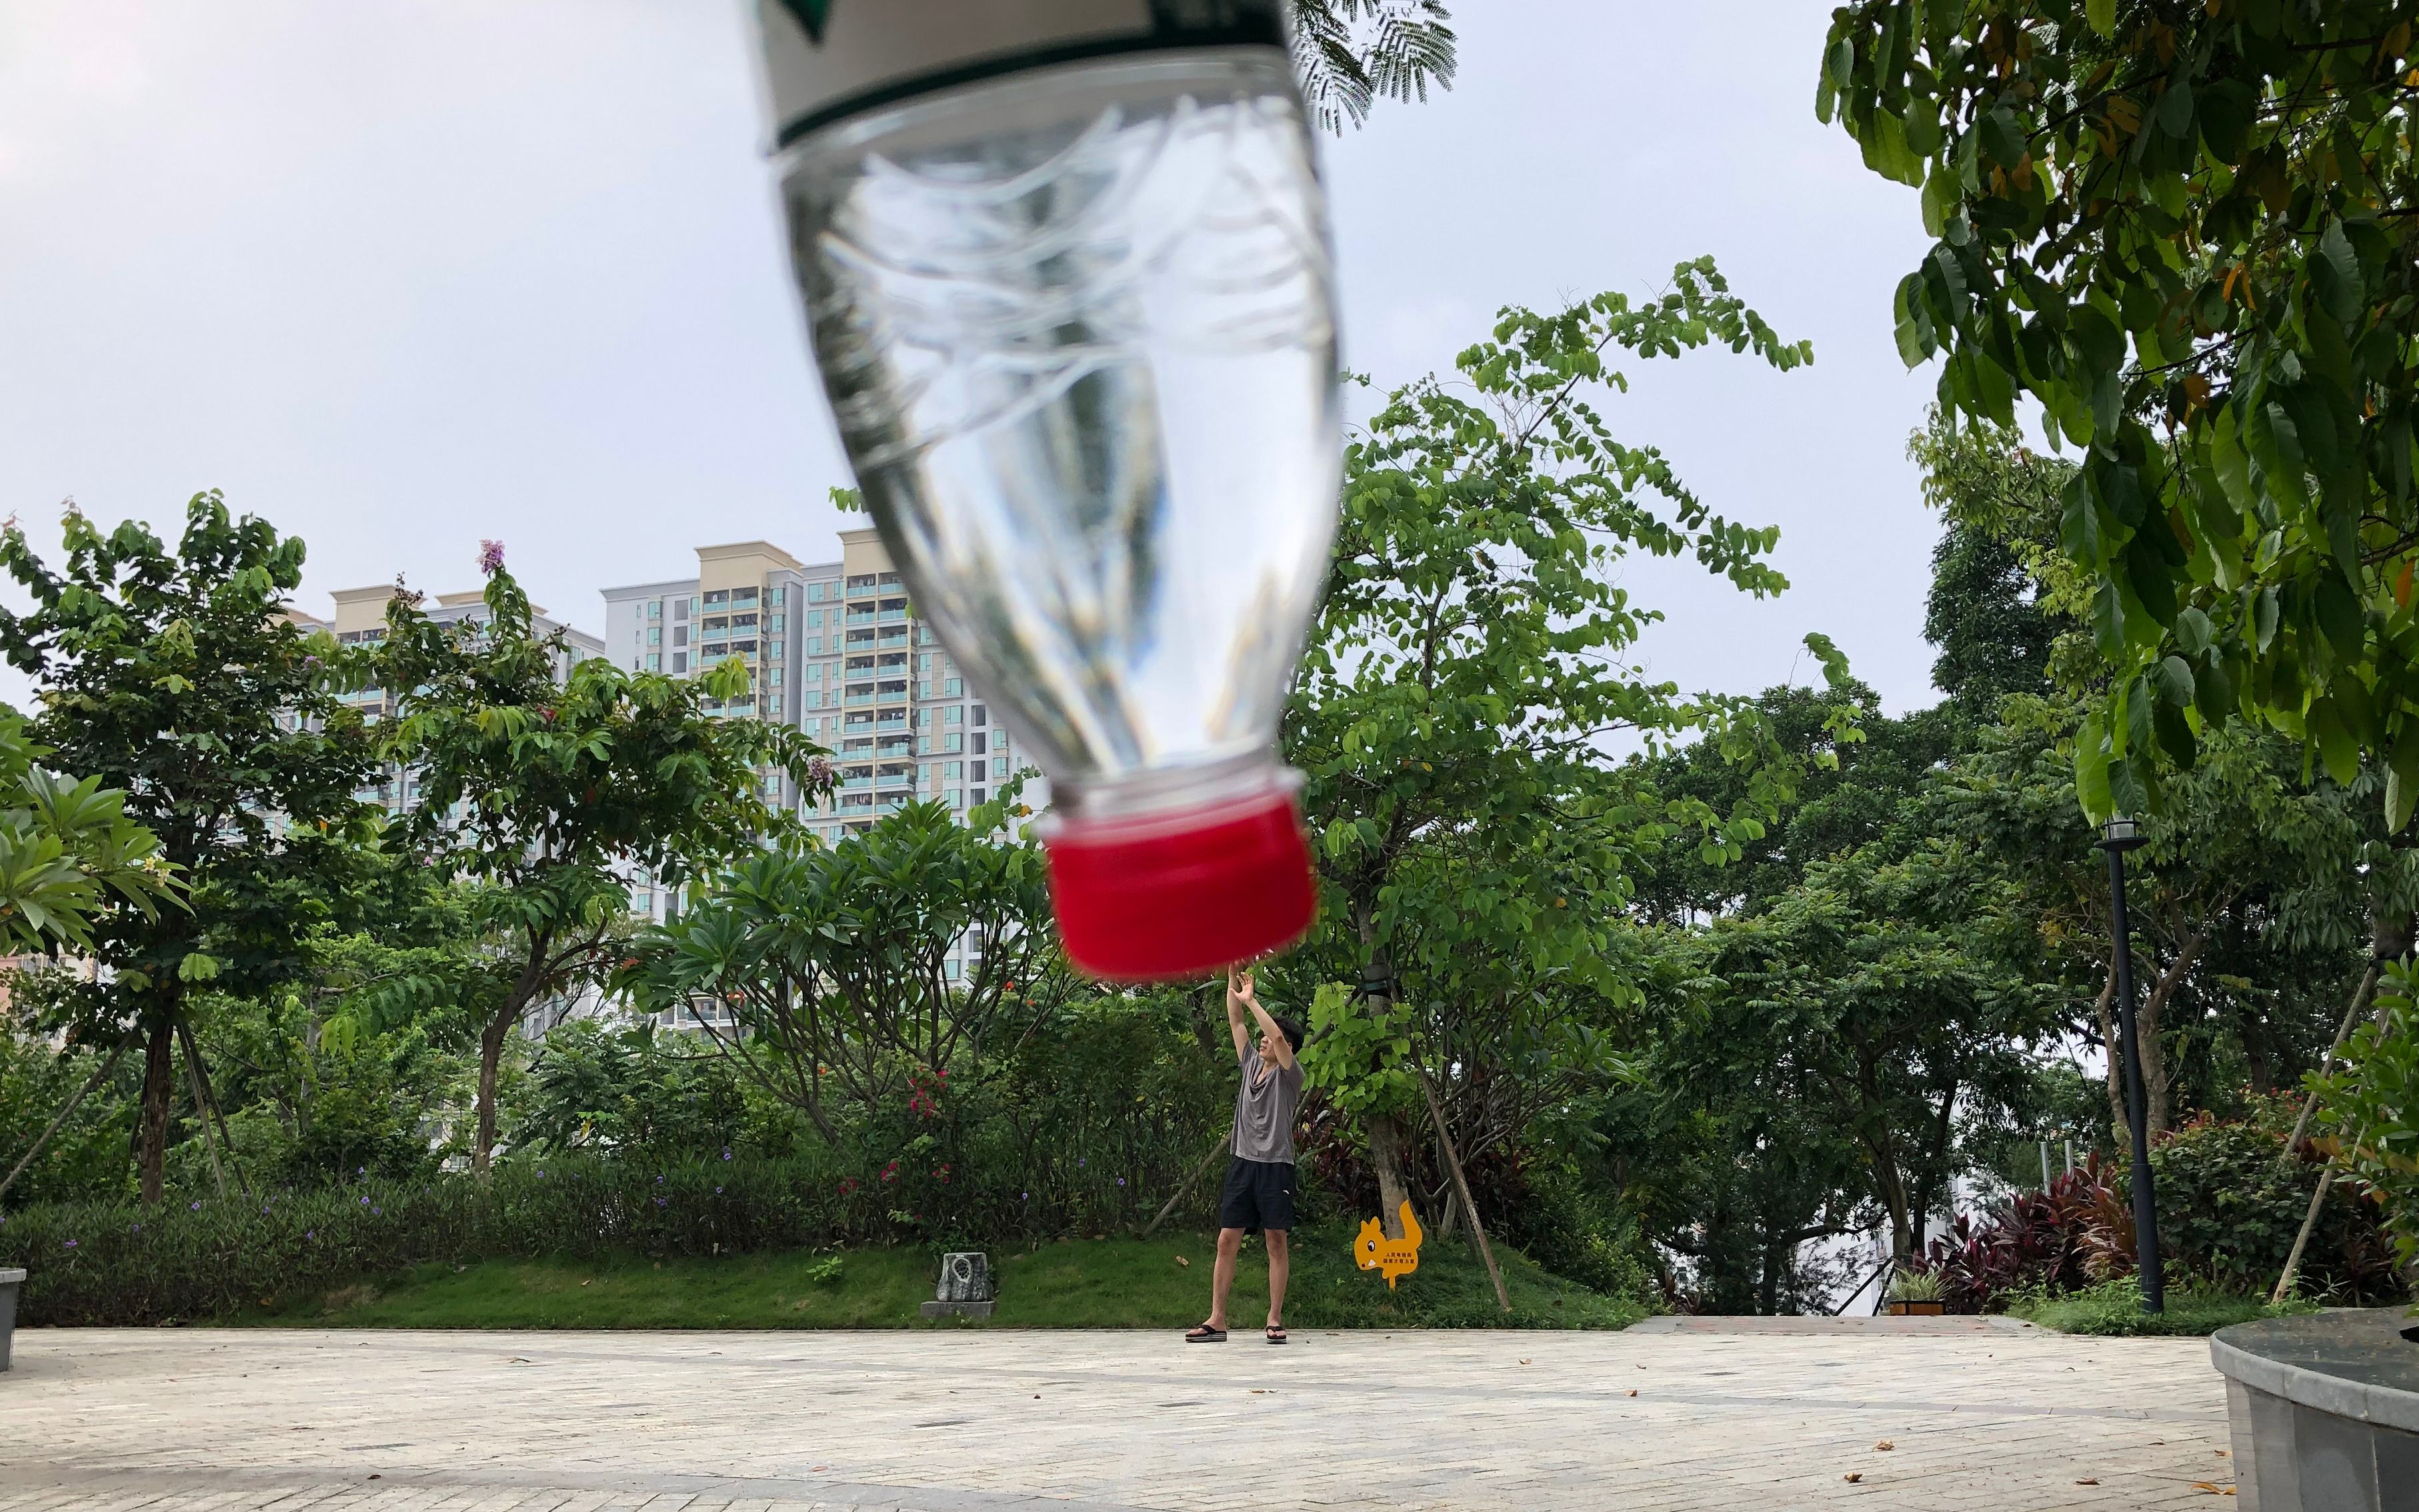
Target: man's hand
(1238, 990)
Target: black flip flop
(1205, 1335)
(1277, 1334)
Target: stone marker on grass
(9, 1282)
(965, 1287)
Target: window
(654, 635)
(777, 708)
(743, 622)
(982, 716)
(654, 661)
(951, 687)
(655, 609)
(953, 742)
(680, 661)
(924, 773)
(954, 770)
(680, 609)
(680, 635)
(721, 595)
(779, 624)
(956, 797)
(954, 717)
(742, 597)
(978, 794)
(979, 747)
(923, 745)
(813, 673)
(781, 596)
(774, 649)
(998, 764)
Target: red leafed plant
(2076, 1233)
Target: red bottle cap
(1163, 897)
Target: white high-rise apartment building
(837, 653)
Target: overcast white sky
(401, 274)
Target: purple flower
(491, 557)
(365, 1202)
(717, 1190)
(71, 1244)
(1122, 1180)
(198, 1207)
(659, 1202)
(725, 1152)
(541, 1175)
(310, 1233)
(659, 1180)
(818, 771)
(138, 1228)
(381, 1211)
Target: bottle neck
(1177, 796)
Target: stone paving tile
(1750, 1412)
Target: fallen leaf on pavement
(1853, 1476)
(2207, 1489)
(1633, 1391)
(1884, 1444)
(2093, 1481)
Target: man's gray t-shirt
(1264, 1110)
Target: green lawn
(1106, 1283)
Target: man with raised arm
(1258, 1196)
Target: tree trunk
(1386, 1159)
(159, 1085)
(2154, 1052)
(491, 1057)
(2115, 1057)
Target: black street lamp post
(2117, 837)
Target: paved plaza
(1675, 1413)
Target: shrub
(2113, 1308)
(2230, 1202)
(121, 1263)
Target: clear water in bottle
(1077, 328)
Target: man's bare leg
(1222, 1274)
(1280, 1266)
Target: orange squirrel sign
(1390, 1257)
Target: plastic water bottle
(1066, 274)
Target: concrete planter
(9, 1282)
(2323, 1411)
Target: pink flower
(491, 557)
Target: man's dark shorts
(1258, 1194)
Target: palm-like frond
(1349, 53)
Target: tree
(1351, 52)
(1463, 678)
(175, 677)
(68, 852)
(544, 781)
(2186, 232)
(821, 970)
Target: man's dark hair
(1291, 1028)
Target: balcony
(897, 720)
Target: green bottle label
(825, 61)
